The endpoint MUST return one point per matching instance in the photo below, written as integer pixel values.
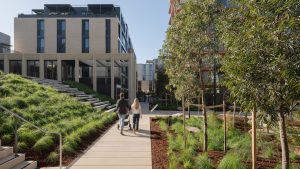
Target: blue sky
(147, 20)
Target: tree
(191, 44)
(261, 64)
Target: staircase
(79, 95)
(10, 160)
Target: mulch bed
(159, 145)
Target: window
(85, 36)
(108, 36)
(1, 65)
(40, 36)
(50, 70)
(15, 66)
(33, 68)
(61, 36)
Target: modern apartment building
(145, 74)
(4, 44)
(89, 44)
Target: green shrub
(43, 144)
(173, 161)
(163, 125)
(293, 155)
(203, 162)
(22, 147)
(52, 158)
(231, 161)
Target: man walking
(122, 108)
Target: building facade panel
(97, 34)
(50, 35)
(25, 30)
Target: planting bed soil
(159, 146)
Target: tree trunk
(284, 141)
(233, 117)
(254, 138)
(204, 109)
(184, 131)
(225, 127)
(205, 123)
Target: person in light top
(137, 114)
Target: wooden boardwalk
(116, 151)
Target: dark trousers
(136, 120)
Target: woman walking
(137, 114)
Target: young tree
(261, 65)
(191, 43)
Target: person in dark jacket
(123, 109)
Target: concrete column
(59, 68)
(76, 73)
(42, 66)
(131, 79)
(24, 66)
(6, 64)
(94, 74)
(112, 77)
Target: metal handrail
(38, 128)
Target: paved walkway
(114, 151)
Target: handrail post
(60, 151)
(16, 136)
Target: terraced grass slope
(50, 110)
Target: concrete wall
(26, 31)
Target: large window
(15, 66)
(50, 71)
(2, 65)
(108, 35)
(40, 36)
(85, 36)
(33, 68)
(61, 36)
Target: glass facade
(61, 36)
(15, 66)
(50, 69)
(85, 36)
(40, 36)
(108, 35)
(33, 68)
(1, 65)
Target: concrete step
(111, 110)
(101, 107)
(6, 151)
(26, 165)
(92, 99)
(81, 98)
(111, 106)
(84, 95)
(11, 161)
(100, 103)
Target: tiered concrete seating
(10, 160)
(79, 95)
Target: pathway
(114, 151)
